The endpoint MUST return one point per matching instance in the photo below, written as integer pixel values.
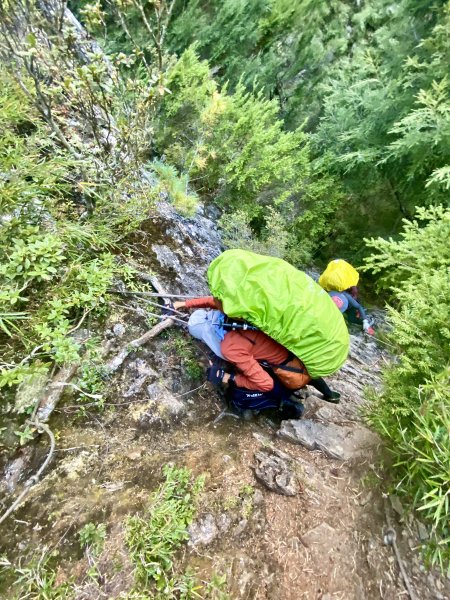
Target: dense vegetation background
(310, 125)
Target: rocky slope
(290, 510)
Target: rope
(34, 478)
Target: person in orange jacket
(252, 385)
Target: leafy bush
(93, 536)
(236, 153)
(422, 463)
(55, 270)
(37, 580)
(415, 270)
(412, 411)
(154, 539)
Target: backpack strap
(283, 366)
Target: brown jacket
(244, 349)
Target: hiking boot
(291, 410)
(335, 398)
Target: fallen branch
(119, 359)
(56, 388)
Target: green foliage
(91, 382)
(185, 351)
(36, 581)
(154, 539)
(25, 436)
(412, 410)
(420, 250)
(93, 536)
(53, 271)
(175, 186)
(237, 233)
(415, 269)
(422, 463)
(239, 150)
(236, 152)
(371, 82)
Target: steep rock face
(178, 249)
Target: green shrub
(421, 451)
(237, 153)
(154, 538)
(37, 580)
(412, 411)
(93, 536)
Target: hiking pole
(153, 294)
(172, 310)
(163, 317)
(243, 326)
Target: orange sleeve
(204, 302)
(238, 350)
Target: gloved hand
(214, 374)
(167, 309)
(179, 304)
(367, 328)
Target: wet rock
(167, 403)
(223, 522)
(166, 258)
(204, 531)
(258, 498)
(275, 473)
(81, 335)
(422, 531)
(335, 441)
(30, 391)
(326, 413)
(182, 247)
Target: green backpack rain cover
(285, 303)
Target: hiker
(340, 280)
(267, 374)
(347, 303)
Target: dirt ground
(325, 542)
